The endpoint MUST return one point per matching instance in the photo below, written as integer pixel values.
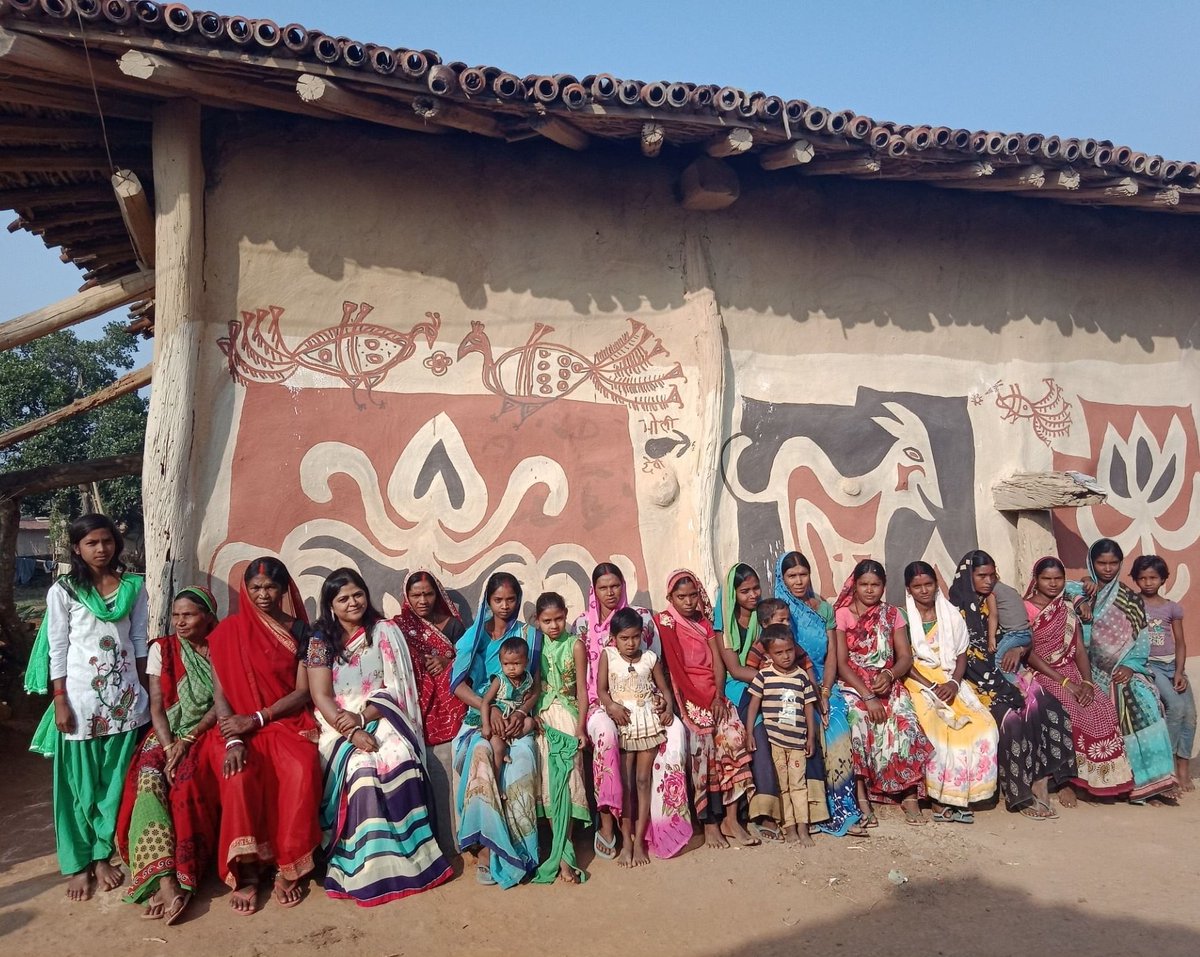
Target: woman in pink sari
(670, 817)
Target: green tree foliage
(51, 372)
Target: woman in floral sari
(262, 755)
(812, 626)
(1119, 652)
(431, 625)
(162, 804)
(670, 826)
(720, 763)
(1060, 661)
(890, 749)
(962, 770)
(375, 818)
(1035, 731)
(496, 812)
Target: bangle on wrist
(60, 692)
(258, 716)
(891, 674)
(871, 697)
(233, 742)
(1065, 682)
(362, 720)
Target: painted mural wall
(470, 357)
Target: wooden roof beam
(160, 74)
(48, 160)
(560, 132)
(40, 222)
(82, 232)
(48, 97)
(732, 143)
(1005, 179)
(130, 382)
(329, 98)
(46, 478)
(137, 214)
(34, 131)
(444, 113)
(75, 309)
(50, 196)
(851, 166)
(653, 137)
(709, 184)
(796, 153)
(1113, 191)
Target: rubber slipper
(605, 849)
(483, 875)
(953, 815)
(153, 911)
(870, 820)
(913, 818)
(280, 890)
(767, 832)
(179, 904)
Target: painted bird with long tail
(357, 352)
(539, 372)
(1050, 415)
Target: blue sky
(1119, 71)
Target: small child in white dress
(628, 678)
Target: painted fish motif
(1050, 415)
(357, 352)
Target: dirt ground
(1103, 879)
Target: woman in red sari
(720, 763)
(431, 624)
(263, 752)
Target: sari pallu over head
(867, 628)
(477, 654)
(187, 682)
(952, 635)
(1118, 622)
(442, 711)
(255, 659)
(1057, 622)
(689, 657)
(808, 627)
(599, 624)
(991, 686)
(725, 617)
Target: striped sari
(376, 825)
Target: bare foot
(640, 857)
(109, 877)
(732, 828)
(790, 836)
(1066, 796)
(566, 873)
(1187, 784)
(625, 858)
(1183, 774)
(79, 887)
(805, 838)
(244, 900)
(714, 838)
(288, 893)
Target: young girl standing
(626, 683)
(1168, 656)
(94, 640)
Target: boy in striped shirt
(784, 694)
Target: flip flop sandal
(913, 818)
(1050, 813)
(605, 849)
(153, 912)
(483, 875)
(767, 832)
(278, 889)
(953, 815)
(870, 820)
(179, 904)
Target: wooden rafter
(75, 309)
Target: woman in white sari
(377, 832)
(963, 769)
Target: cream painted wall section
(845, 365)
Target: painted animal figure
(359, 353)
(533, 375)
(1050, 415)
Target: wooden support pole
(74, 309)
(130, 382)
(731, 143)
(135, 210)
(320, 93)
(795, 153)
(561, 132)
(708, 184)
(652, 139)
(179, 325)
(1027, 499)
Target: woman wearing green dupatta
(1118, 646)
(561, 738)
(157, 832)
(91, 653)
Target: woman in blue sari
(497, 813)
(812, 625)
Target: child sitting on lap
(506, 692)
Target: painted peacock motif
(359, 353)
(539, 372)
(1050, 415)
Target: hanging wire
(95, 92)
